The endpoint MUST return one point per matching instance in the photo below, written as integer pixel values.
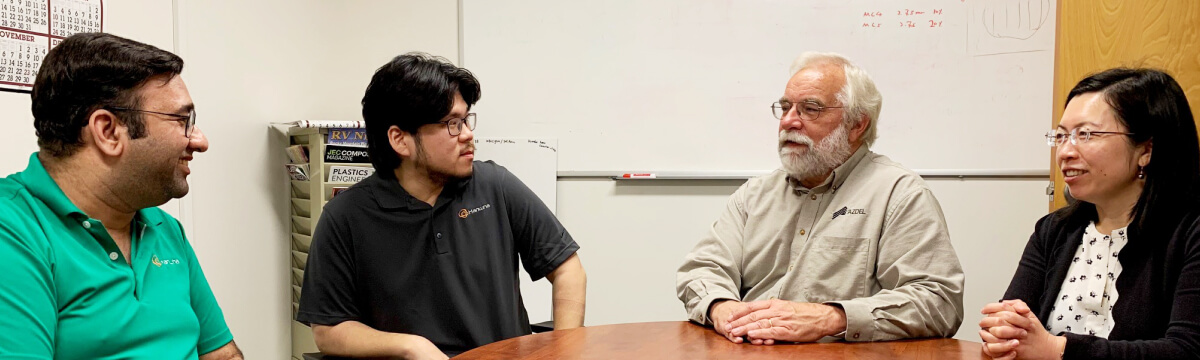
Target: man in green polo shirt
(92, 269)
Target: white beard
(810, 161)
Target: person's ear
(1144, 155)
(108, 134)
(859, 129)
(401, 141)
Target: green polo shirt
(67, 292)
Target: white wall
(365, 34)
(248, 64)
(17, 140)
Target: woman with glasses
(1116, 274)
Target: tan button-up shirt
(871, 238)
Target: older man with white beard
(840, 242)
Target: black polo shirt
(447, 272)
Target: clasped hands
(768, 321)
(1010, 330)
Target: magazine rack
(307, 200)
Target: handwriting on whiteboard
(903, 18)
(543, 144)
(532, 142)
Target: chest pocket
(836, 268)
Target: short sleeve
(327, 297)
(541, 240)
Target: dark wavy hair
(88, 72)
(412, 90)
(1152, 106)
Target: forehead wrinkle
(819, 82)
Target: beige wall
(248, 64)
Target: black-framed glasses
(454, 126)
(1076, 136)
(808, 110)
(189, 120)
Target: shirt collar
(42, 186)
(39, 183)
(835, 179)
(388, 193)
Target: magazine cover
(347, 137)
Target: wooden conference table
(687, 341)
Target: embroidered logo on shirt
(464, 213)
(848, 211)
(159, 263)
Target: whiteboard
(685, 85)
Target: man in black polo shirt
(419, 260)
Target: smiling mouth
(1073, 173)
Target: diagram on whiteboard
(1010, 26)
(30, 28)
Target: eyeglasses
(454, 126)
(808, 111)
(1076, 136)
(189, 120)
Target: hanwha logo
(464, 213)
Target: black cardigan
(1158, 313)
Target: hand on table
(1010, 330)
(768, 321)
(720, 314)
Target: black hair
(88, 72)
(412, 90)
(1152, 106)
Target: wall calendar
(30, 28)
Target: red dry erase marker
(638, 176)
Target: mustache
(795, 137)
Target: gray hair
(858, 95)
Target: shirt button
(112, 255)
(86, 224)
(855, 335)
(813, 196)
(801, 231)
(438, 235)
